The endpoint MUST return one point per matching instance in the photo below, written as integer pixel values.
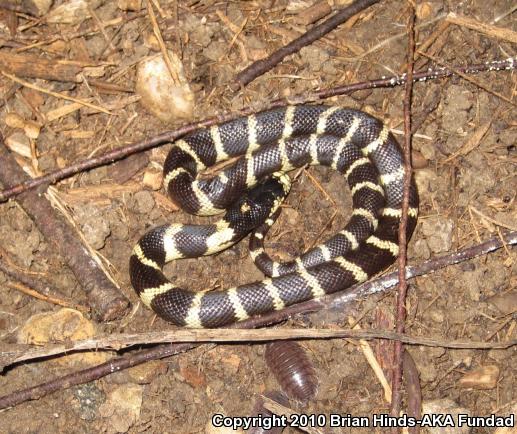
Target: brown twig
(260, 67)
(143, 145)
(483, 86)
(104, 297)
(55, 94)
(159, 38)
(487, 29)
(102, 28)
(16, 354)
(93, 373)
(330, 301)
(36, 287)
(402, 291)
(47, 298)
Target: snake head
(259, 203)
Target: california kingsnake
(350, 141)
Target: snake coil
(273, 142)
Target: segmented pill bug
(259, 409)
(292, 369)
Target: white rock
(162, 95)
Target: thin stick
(163, 48)
(47, 298)
(375, 365)
(327, 302)
(143, 145)
(91, 374)
(54, 94)
(101, 27)
(401, 296)
(36, 288)
(469, 79)
(487, 29)
(493, 221)
(10, 356)
(260, 67)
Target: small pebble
(89, 398)
(94, 225)
(506, 303)
(153, 179)
(144, 202)
(421, 250)
(122, 408)
(438, 231)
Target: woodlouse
(292, 369)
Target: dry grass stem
(55, 94)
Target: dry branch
(487, 29)
(19, 353)
(29, 66)
(260, 67)
(481, 85)
(104, 297)
(396, 378)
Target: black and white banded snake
(274, 142)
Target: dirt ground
(466, 155)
